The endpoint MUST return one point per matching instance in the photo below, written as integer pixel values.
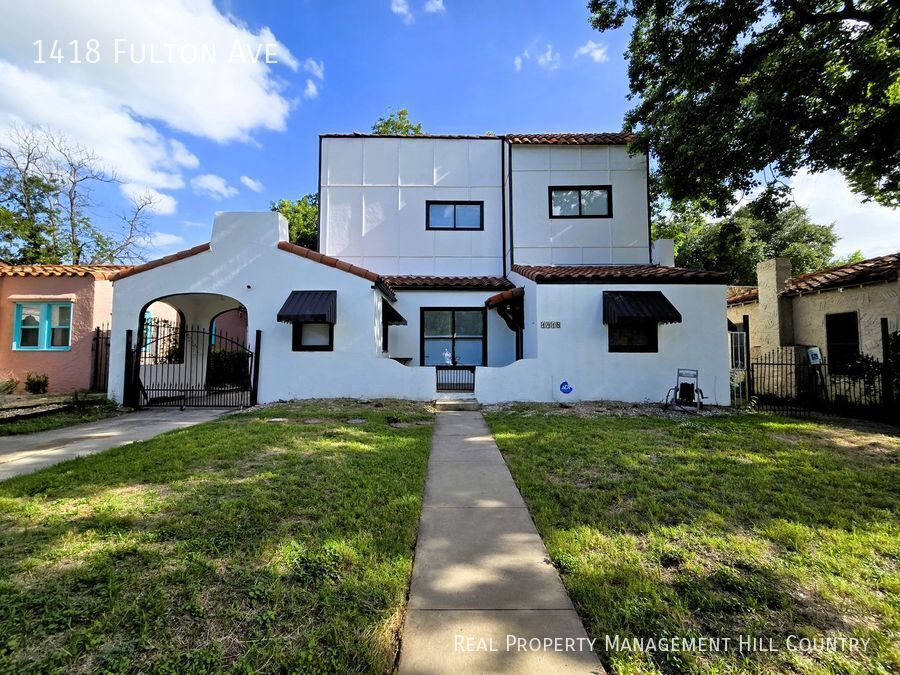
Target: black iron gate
(455, 378)
(189, 366)
(100, 358)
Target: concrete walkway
(483, 588)
(30, 452)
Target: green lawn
(239, 544)
(720, 527)
(57, 420)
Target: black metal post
(254, 390)
(887, 366)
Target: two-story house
(515, 267)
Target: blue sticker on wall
(565, 387)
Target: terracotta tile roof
(379, 281)
(616, 274)
(434, 283)
(750, 294)
(873, 270)
(96, 271)
(601, 138)
(505, 296)
(143, 267)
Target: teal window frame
(45, 327)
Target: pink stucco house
(48, 317)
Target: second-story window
(454, 215)
(581, 201)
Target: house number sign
(551, 324)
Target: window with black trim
(313, 337)
(580, 201)
(634, 337)
(842, 340)
(453, 336)
(454, 215)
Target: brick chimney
(775, 323)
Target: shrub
(36, 383)
(8, 386)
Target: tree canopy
(46, 204)
(734, 245)
(731, 94)
(397, 124)
(302, 216)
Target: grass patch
(721, 527)
(58, 420)
(237, 544)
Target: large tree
(47, 202)
(397, 124)
(734, 93)
(735, 244)
(302, 216)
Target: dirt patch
(593, 409)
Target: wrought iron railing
(455, 378)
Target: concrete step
(443, 405)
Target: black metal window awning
(309, 307)
(390, 316)
(632, 307)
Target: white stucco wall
(541, 240)
(578, 353)
(244, 264)
(404, 340)
(373, 197)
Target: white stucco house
(514, 267)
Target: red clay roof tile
(96, 271)
(437, 283)
(165, 260)
(616, 274)
(505, 296)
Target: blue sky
(235, 135)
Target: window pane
(468, 217)
(469, 352)
(470, 323)
(437, 324)
(632, 337)
(31, 315)
(28, 337)
(315, 334)
(594, 202)
(438, 353)
(565, 202)
(59, 337)
(62, 315)
(440, 215)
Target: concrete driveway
(30, 452)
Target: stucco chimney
(664, 252)
(775, 323)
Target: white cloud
(311, 90)
(160, 243)
(163, 204)
(315, 68)
(549, 59)
(867, 226)
(252, 184)
(182, 156)
(517, 63)
(401, 8)
(212, 186)
(120, 107)
(595, 50)
(435, 7)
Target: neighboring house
(839, 310)
(512, 267)
(48, 316)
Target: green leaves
(397, 124)
(727, 89)
(303, 218)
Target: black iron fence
(455, 378)
(783, 381)
(100, 358)
(189, 366)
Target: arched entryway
(191, 350)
